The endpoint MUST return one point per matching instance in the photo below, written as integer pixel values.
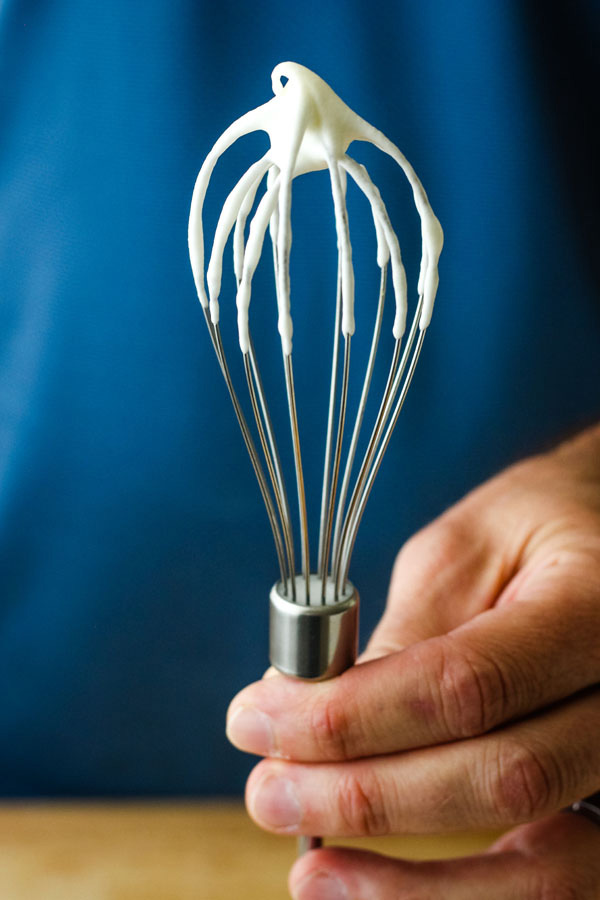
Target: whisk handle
(314, 642)
(306, 843)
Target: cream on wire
(310, 128)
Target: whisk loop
(310, 128)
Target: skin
(475, 705)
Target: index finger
(505, 663)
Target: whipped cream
(310, 128)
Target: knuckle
(473, 692)
(524, 783)
(329, 724)
(434, 547)
(362, 804)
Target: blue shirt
(135, 555)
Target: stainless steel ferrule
(314, 640)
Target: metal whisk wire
(335, 544)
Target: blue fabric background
(135, 557)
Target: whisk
(313, 614)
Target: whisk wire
(396, 372)
(360, 414)
(286, 514)
(378, 459)
(215, 335)
(330, 418)
(274, 474)
(291, 396)
(336, 466)
(359, 478)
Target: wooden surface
(161, 852)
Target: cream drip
(310, 128)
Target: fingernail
(251, 729)
(321, 886)
(275, 804)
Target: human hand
(475, 704)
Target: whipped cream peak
(306, 107)
(310, 128)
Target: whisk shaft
(306, 843)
